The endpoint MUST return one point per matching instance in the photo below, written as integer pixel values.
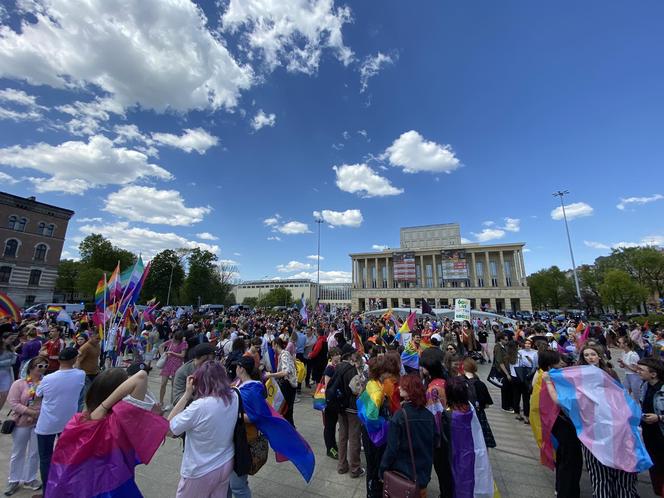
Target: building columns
(390, 278)
(487, 270)
(435, 271)
(502, 276)
(473, 271)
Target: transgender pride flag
(605, 417)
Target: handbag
(524, 374)
(161, 362)
(242, 460)
(397, 485)
(8, 425)
(496, 377)
(259, 450)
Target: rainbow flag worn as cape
(411, 356)
(408, 325)
(8, 308)
(471, 468)
(369, 404)
(604, 415)
(319, 397)
(357, 340)
(543, 414)
(96, 458)
(283, 438)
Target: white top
(209, 423)
(524, 359)
(60, 392)
(630, 358)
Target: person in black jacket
(422, 427)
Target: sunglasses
(42, 366)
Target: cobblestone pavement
(515, 463)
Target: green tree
(591, 277)
(88, 278)
(250, 301)
(156, 285)
(229, 300)
(276, 297)
(203, 279)
(621, 291)
(67, 279)
(98, 252)
(551, 288)
(644, 264)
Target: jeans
(45, 444)
(239, 487)
(349, 442)
(25, 458)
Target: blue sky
(226, 125)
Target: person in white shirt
(629, 361)
(58, 394)
(207, 463)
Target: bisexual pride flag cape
(369, 404)
(283, 438)
(604, 415)
(96, 458)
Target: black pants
(373, 455)
(45, 444)
(569, 459)
(520, 391)
(289, 397)
(443, 468)
(506, 396)
(310, 371)
(330, 418)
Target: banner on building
(454, 265)
(461, 310)
(404, 267)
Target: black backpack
(336, 391)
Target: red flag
(357, 341)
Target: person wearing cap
(199, 355)
(58, 394)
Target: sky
(232, 125)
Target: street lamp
(561, 194)
(170, 281)
(318, 222)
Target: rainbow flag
(543, 414)
(8, 308)
(369, 404)
(357, 340)
(319, 397)
(408, 325)
(97, 457)
(54, 309)
(604, 415)
(99, 292)
(114, 287)
(411, 356)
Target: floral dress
(173, 362)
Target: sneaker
(342, 471)
(508, 411)
(333, 453)
(297, 399)
(11, 488)
(33, 485)
(357, 474)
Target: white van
(34, 310)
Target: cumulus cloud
(7, 179)
(315, 257)
(349, 218)
(76, 166)
(489, 234)
(89, 220)
(648, 240)
(488, 223)
(512, 224)
(626, 202)
(26, 107)
(574, 210)
(595, 245)
(371, 66)
(274, 237)
(379, 247)
(361, 179)
(326, 277)
(293, 227)
(208, 236)
(142, 240)
(414, 154)
(159, 55)
(293, 34)
(149, 205)
(272, 221)
(261, 120)
(293, 266)
(87, 116)
(192, 139)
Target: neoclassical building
(432, 263)
(32, 235)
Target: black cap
(201, 350)
(246, 362)
(68, 354)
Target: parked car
(36, 309)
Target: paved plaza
(515, 463)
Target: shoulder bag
(250, 456)
(8, 425)
(397, 485)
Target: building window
(5, 274)
(11, 248)
(13, 220)
(41, 228)
(364, 277)
(429, 274)
(441, 280)
(20, 226)
(49, 230)
(384, 274)
(40, 252)
(508, 273)
(35, 276)
(418, 274)
(373, 277)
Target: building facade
(433, 264)
(336, 295)
(32, 235)
(331, 295)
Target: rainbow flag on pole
(8, 308)
(407, 327)
(410, 356)
(99, 293)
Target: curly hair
(412, 384)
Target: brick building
(32, 235)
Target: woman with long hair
(285, 375)
(523, 365)
(7, 360)
(481, 398)
(593, 355)
(207, 462)
(629, 361)
(24, 461)
(175, 350)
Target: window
(40, 252)
(29, 300)
(373, 277)
(41, 228)
(11, 247)
(429, 274)
(20, 226)
(441, 280)
(479, 272)
(384, 272)
(49, 230)
(5, 274)
(418, 276)
(508, 273)
(35, 276)
(12, 222)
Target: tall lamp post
(561, 194)
(170, 281)
(318, 221)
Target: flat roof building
(433, 264)
(331, 294)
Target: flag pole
(124, 291)
(103, 322)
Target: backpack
(335, 393)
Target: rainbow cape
(8, 308)
(319, 397)
(369, 404)
(410, 356)
(96, 458)
(604, 415)
(543, 414)
(283, 438)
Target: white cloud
(371, 66)
(292, 266)
(142, 240)
(19, 115)
(326, 277)
(315, 257)
(192, 139)
(653, 240)
(624, 245)
(293, 227)
(76, 166)
(228, 262)
(625, 202)
(89, 220)
(525, 249)
(512, 224)
(361, 179)
(88, 116)
(274, 237)
(464, 240)
(149, 205)
(292, 33)
(379, 247)
(129, 133)
(412, 153)
(365, 134)
(159, 55)
(595, 245)
(261, 120)
(7, 179)
(272, 221)
(574, 210)
(237, 254)
(18, 97)
(209, 236)
(349, 218)
(28, 110)
(488, 223)
(489, 234)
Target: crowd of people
(406, 395)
